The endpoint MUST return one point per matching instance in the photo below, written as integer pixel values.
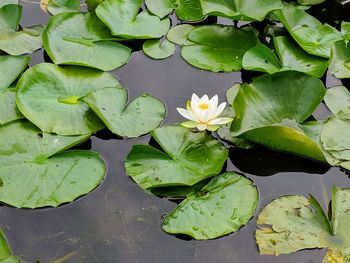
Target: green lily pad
(178, 34)
(337, 99)
(6, 255)
(340, 60)
(8, 108)
(141, 116)
(250, 10)
(36, 171)
(51, 97)
(124, 20)
(292, 98)
(218, 48)
(221, 207)
(82, 39)
(16, 42)
(335, 139)
(190, 10)
(10, 68)
(156, 49)
(293, 223)
(187, 158)
(55, 7)
(291, 57)
(307, 31)
(92, 4)
(9, 2)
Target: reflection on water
(119, 223)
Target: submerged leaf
(187, 158)
(82, 39)
(221, 207)
(36, 172)
(190, 10)
(51, 97)
(293, 223)
(122, 17)
(292, 97)
(218, 47)
(240, 9)
(156, 49)
(141, 116)
(307, 31)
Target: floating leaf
(141, 116)
(240, 9)
(82, 39)
(92, 4)
(16, 42)
(35, 171)
(156, 49)
(187, 158)
(218, 48)
(293, 223)
(190, 10)
(307, 31)
(178, 34)
(221, 207)
(6, 255)
(340, 60)
(10, 68)
(51, 97)
(292, 97)
(55, 7)
(122, 17)
(292, 57)
(8, 108)
(337, 99)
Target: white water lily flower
(204, 113)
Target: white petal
(204, 99)
(204, 116)
(185, 113)
(214, 101)
(194, 99)
(220, 121)
(219, 110)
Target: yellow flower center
(204, 106)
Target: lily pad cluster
(186, 164)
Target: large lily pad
(292, 223)
(240, 9)
(82, 39)
(10, 68)
(50, 97)
(218, 48)
(35, 171)
(271, 111)
(124, 19)
(141, 116)
(340, 60)
(16, 42)
(291, 57)
(8, 108)
(190, 10)
(187, 158)
(313, 36)
(221, 207)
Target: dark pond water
(119, 223)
